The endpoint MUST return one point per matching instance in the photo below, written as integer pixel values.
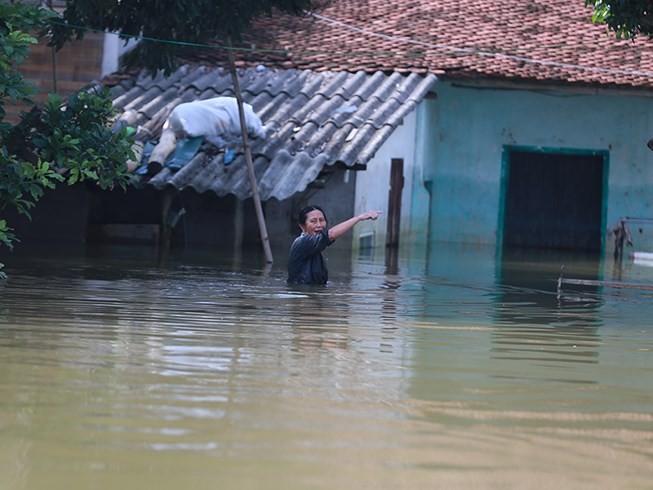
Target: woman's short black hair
(303, 214)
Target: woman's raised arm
(342, 228)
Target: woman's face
(315, 222)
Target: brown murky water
(121, 371)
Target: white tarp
(216, 119)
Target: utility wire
(475, 52)
(453, 50)
(234, 48)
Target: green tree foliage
(62, 142)
(627, 18)
(178, 22)
(71, 141)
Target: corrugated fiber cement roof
(313, 120)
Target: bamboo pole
(248, 159)
(592, 282)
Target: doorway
(554, 200)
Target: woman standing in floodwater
(305, 262)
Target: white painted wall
(373, 184)
(114, 48)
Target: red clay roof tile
(537, 40)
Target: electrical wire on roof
(476, 52)
(239, 49)
(453, 50)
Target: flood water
(122, 370)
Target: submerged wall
(373, 186)
(466, 131)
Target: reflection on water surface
(122, 370)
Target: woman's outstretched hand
(345, 226)
(373, 215)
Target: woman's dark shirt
(305, 262)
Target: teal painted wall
(463, 132)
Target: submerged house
(320, 129)
(481, 122)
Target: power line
(476, 52)
(235, 48)
(443, 47)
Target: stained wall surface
(467, 131)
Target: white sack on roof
(216, 119)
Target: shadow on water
(499, 340)
(534, 332)
(538, 321)
(520, 285)
(126, 260)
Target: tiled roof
(315, 120)
(378, 57)
(536, 40)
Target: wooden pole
(166, 231)
(248, 159)
(238, 230)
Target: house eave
(551, 86)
